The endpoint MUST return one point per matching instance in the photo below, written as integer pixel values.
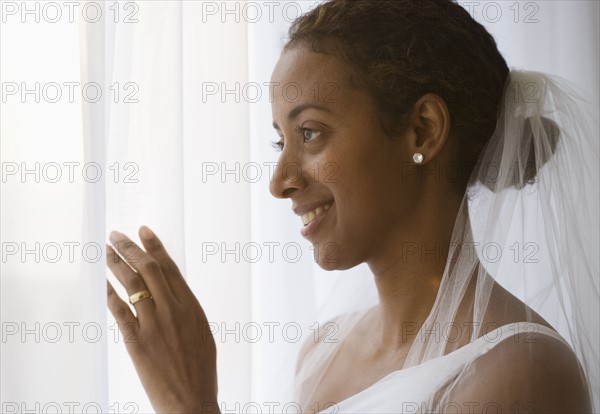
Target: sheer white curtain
(182, 137)
(53, 352)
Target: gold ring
(141, 295)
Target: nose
(288, 177)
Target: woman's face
(337, 165)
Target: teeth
(310, 216)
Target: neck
(408, 274)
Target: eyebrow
(299, 109)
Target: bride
(429, 151)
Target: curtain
(53, 352)
(179, 140)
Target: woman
(429, 137)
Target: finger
(119, 309)
(173, 276)
(126, 321)
(143, 264)
(132, 281)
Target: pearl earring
(418, 158)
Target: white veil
(531, 215)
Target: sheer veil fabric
(528, 222)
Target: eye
(307, 134)
(310, 134)
(278, 145)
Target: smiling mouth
(311, 215)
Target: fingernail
(146, 233)
(115, 235)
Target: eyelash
(278, 145)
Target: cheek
(364, 179)
(323, 168)
(376, 198)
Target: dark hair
(399, 50)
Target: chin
(327, 256)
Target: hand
(169, 342)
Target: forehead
(304, 76)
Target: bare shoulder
(527, 372)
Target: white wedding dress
(409, 390)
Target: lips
(313, 218)
(312, 214)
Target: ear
(429, 124)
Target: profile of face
(337, 162)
